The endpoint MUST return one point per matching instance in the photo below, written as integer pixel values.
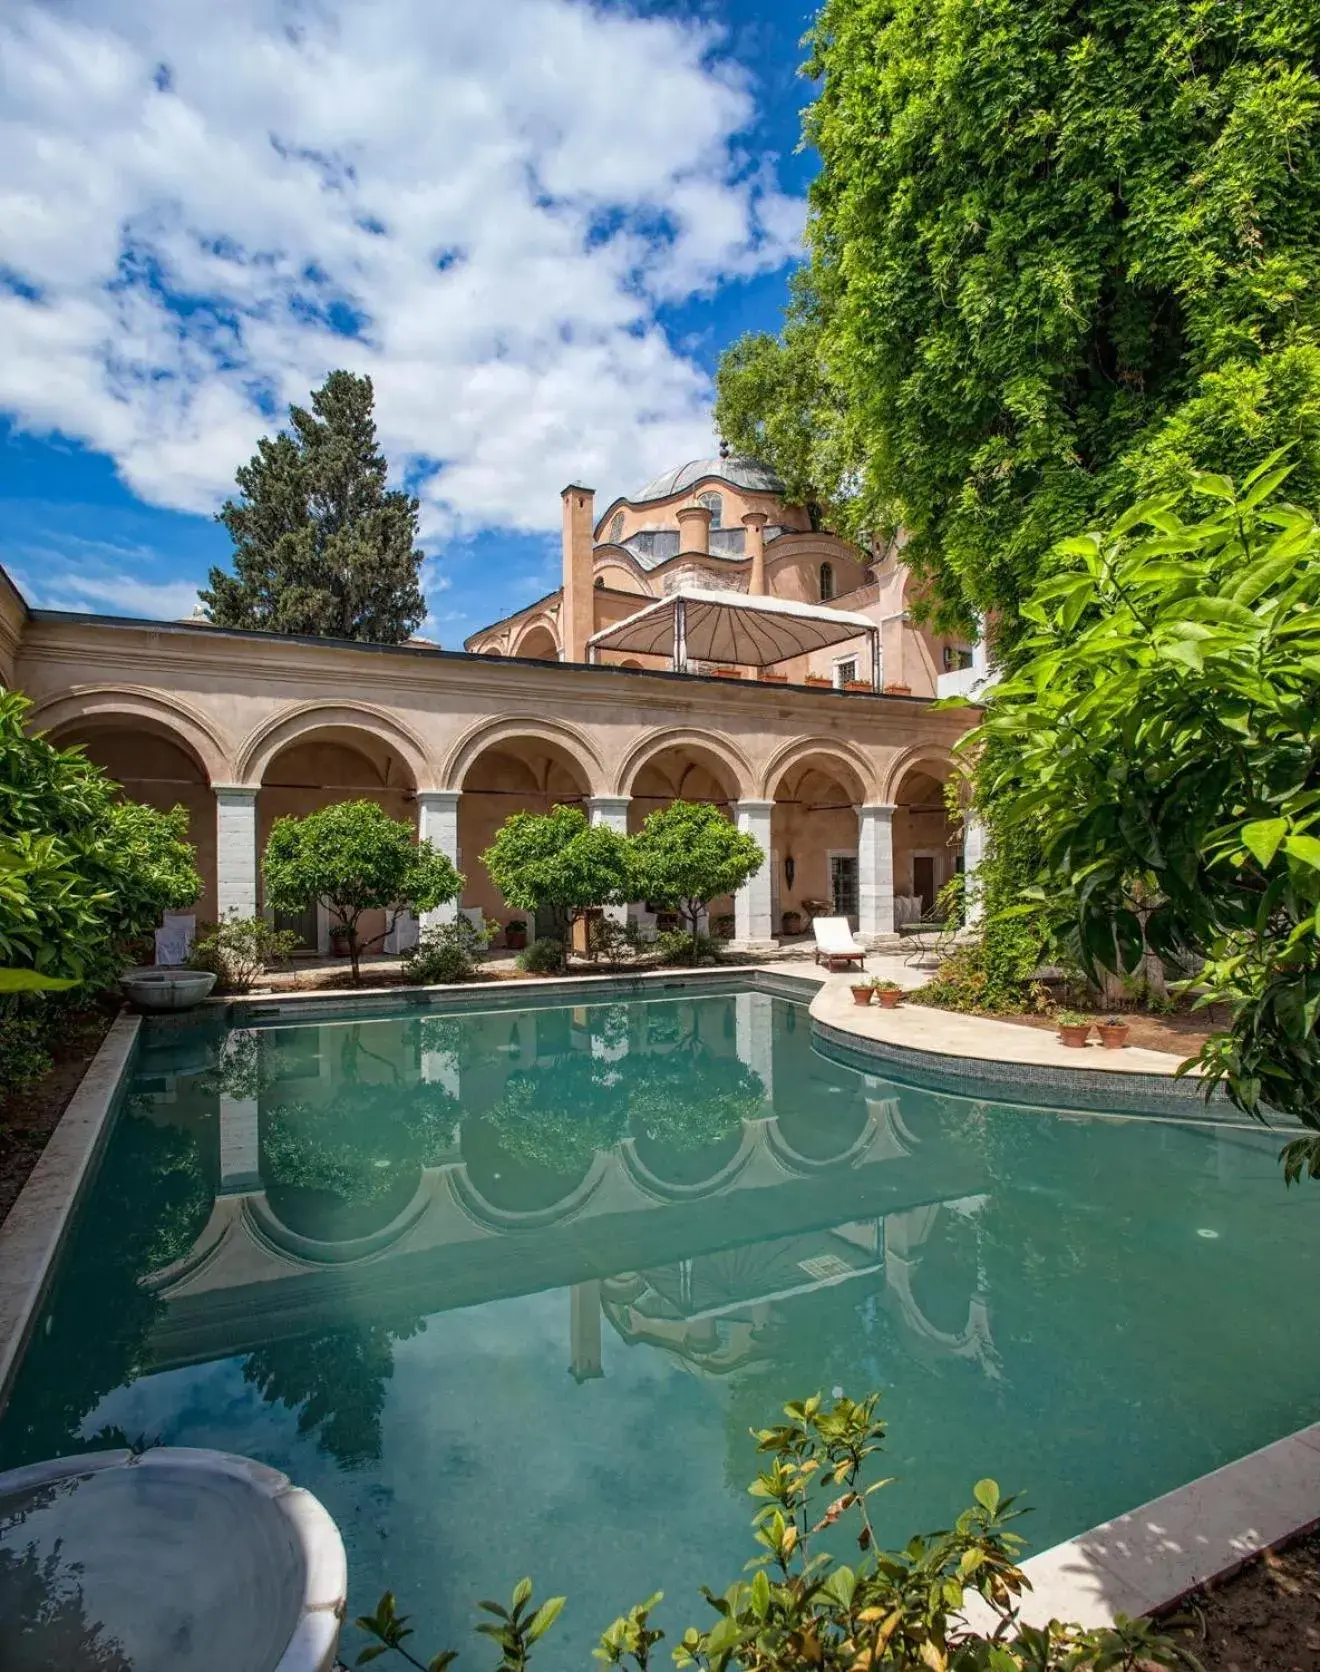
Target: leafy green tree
(1058, 254)
(82, 872)
(321, 545)
(1161, 739)
(354, 858)
(688, 854)
(559, 866)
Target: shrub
(239, 949)
(803, 1609)
(24, 1033)
(678, 946)
(448, 953)
(545, 956)
(610, 940)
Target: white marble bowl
(174, 1560)
(167, 989)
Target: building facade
(843, 788)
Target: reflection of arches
(724, 759)
(645, 1163)
(129, 706)
(296, 725)
(556, 736)
(822, 1136)
(841, 760)
(484, 1210)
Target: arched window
(826, 582)
(616, 528)
(714, 503)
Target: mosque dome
(738, 473)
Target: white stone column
(612, 812)
(753, 931)
(235, 851)
(875, 871)
(437, 823)
(973, 854)
(240, 1113)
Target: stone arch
(705, 746)
(536, 640)
(556, 734)
(855, 772)
(919, 755)
(108, 705)
(296, 724)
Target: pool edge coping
(33, 1234)
(1087, 1579)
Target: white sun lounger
(834, 942)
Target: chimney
(579, 617)
(754, 522)
(694, 528)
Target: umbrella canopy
(710, 626)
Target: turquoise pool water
(506, 1290)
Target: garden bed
(28, 1117)
(1266, 1618)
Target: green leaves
(32, 981)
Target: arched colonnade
(845, 828)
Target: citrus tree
(558, 865)
(688, 854)
(1161, 739)
(353, 858)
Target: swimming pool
(507, 1289)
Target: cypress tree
(321, 546)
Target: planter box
(774, 679)
(818, 684)
(727, 673)
(857, 685)
(898, 690)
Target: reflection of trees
(43, 1596)
(151, 1200)
(356, 1145)
(335, 1381)
(690, 1097)
(559, 1114)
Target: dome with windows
(738, 473)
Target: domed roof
(738, 473)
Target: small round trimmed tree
(354, 858)
(558, 864)
(688, 854)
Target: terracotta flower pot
(774, 679)
(818, 683)
(898, 690)
(515, 939)
(1113, 1035)
(862, 995)
(1074, 1033)
(728, 673)
(338, 945)
(856, 685)
(890, 997)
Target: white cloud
(193, 196)
(105, 591)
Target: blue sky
(534, 223)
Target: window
(714, 503)
(826, 582)
(956, 657)
(845, 673)
(843, 883)
(616, 528)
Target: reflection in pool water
(506, 1290)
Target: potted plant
(898, 690)
(515, 934)
(773, 678)
(722, 926)
(1074, 1028)
(889, 993)
(857, 685)
(1113, 1031)
(339, 941)
(791, 922)
(728, 673)
(862, 990)
(819, 682)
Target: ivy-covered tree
(688, 854)
(1059, 253)
(321, 545)
(558, 865)
(354, 858)
(1161, 740)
